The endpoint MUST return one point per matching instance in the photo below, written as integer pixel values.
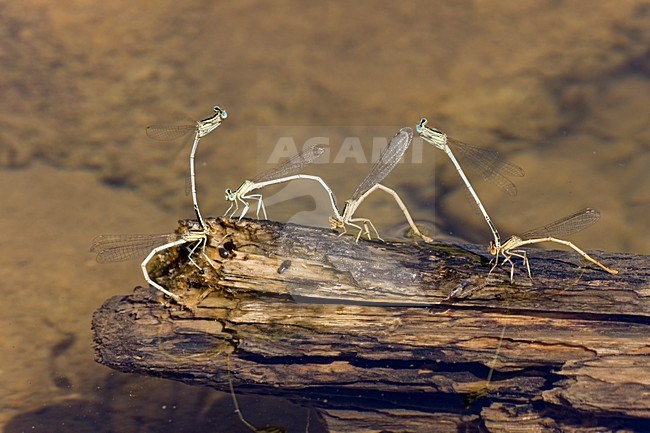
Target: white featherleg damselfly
(200, 128)
(492, 167)
(386, 163)
(279, 174)
(565, 226)
(119, 247)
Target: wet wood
(369, 336)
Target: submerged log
(394, 336)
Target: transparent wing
(565, 226)
(116, 248)
(490, 164)
(292, 165)
(170, 131)
(387, 161)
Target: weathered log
(368, 334)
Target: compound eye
(420, 126)
(221, 112)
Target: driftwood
(368, 334)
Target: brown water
(561, 88)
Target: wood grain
(368, 334)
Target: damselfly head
(492, 249)
(220, 111)
(420, 126)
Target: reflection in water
(128, 404)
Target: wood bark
(368, 334)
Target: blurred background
(559, 88)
